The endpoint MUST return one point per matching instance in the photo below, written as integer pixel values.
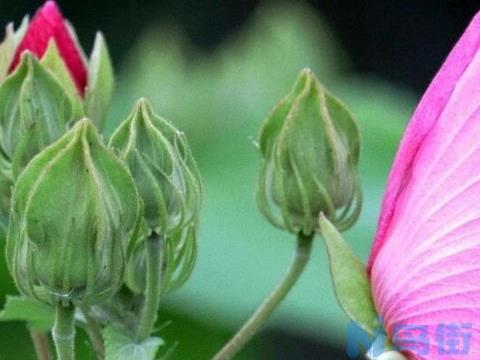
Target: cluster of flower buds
(81, 211)
(86, 218)
(310, 145)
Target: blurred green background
(218, 90)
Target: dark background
(400, 40)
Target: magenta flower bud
(46, 84)
(49, 24)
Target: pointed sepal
(54, 63)
(350, 281)
(9, 45)
(100, 83)
(34, 111)
(119, 346)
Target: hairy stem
(41, 345)
(94, 333)
(260, 316)
(153, 289)
(63, 331)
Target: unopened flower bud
(168, 182)
(74, 210)
(162, 165)
(49, 24)
(49, 38)
(310, 146)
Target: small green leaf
(350, 281)
(100, 83)
(38, 315)
(119, 346)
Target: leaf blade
(350, 281)
(119, 346)
(39, 316)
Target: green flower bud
(162, 165)
(310, 146)
(74, 210)
(167, 179)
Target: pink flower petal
(49, 23)
(426, 115)
(425, 261)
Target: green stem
(40, 343)
(94, 333)
(153, 289)
(251, 327)
(63, 331)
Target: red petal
(49, 23)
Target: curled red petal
(47, 24)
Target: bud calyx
(310, 147)
(74, 210)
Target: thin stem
(63, 331)
(94, 333)
(251, 327)
(41, 345)
(153, 288)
